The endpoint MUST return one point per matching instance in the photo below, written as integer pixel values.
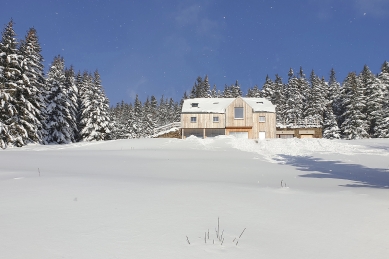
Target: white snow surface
(219, 105)
(147, 198)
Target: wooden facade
(203, 124)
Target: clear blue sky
(159, 47)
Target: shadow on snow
(361, 176)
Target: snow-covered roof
(206, 105)
(219, 105)
(260, 104)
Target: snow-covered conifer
(268, 90)
(374, 97)
(354, 124)
(19, 109)
(59, 121)
(381, 129)
(72, 94)
(32, 69)
(254, 92)
(95, 111)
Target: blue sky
(156, 47)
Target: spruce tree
(381, 129)
(148, 122)
(254, 92)
(334, 96)
(316, 101)
(18, 115)
(96, 124)
(32, 70)
(72, 94)
(374, 95)
(268, 90)
(136, 125)
(59, 121)
(354, 124)
(296, 91)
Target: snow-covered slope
(146, 198)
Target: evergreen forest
(65, 106)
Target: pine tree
(95, 111)
(280, 99)
(148, 122)
(205, 88)
(235, 90)
(18, 115)
(130, 133)
(316, 101)
(59, 120)
(32, 70)
(374, 95)
(296, 92)
(215, 93)
(80, 94)
(381, 129)
(268, 90)
(227, 93)
(334, 96)
(254, 92)
(136, 125)
(354, 125)
(72, 94)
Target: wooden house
(252, 118)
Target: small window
(260, 102)
(238, 112)
(195, 105)
(216, 119)
(193, 119)
(262, 119)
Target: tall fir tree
(254, 92)
(19, 111)
(268, 90)
(354, 124)
(294, 105)
(136, 125)
(374, 96)
(316, 101)
(381, 129)
(60, 123)
(334, 96)
(95, 111)
(72, 94)
(33, 71)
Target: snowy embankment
(147, 198)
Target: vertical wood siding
(247, 120)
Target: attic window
(260, 102)
(195, 105)
(216, 103)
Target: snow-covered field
(148, 198)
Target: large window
(238, 112)
(215, 119)
(262, 119)
(193, 119)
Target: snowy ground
(143, 198)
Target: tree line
(65, 107)
(60, 107)
(354, 109)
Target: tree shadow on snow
(361, 176)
